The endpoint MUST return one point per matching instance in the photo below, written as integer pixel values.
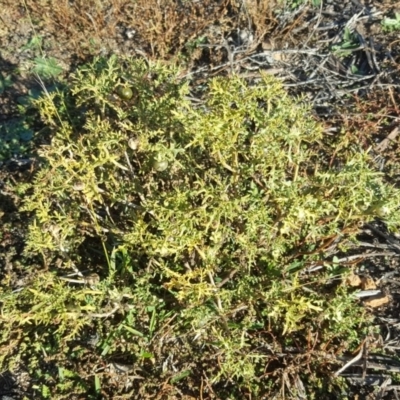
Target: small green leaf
(134, 331)
(180, 376)
(46, 393)
(335, 260)
(153, 321)
(97, 384)
(106, 349)
(391, 24)
(35, 43)
(47, 67)
(5, 83)
(146, 355)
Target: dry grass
(159, 29)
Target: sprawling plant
(210, 210)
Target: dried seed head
(161, 165)
(133, 143)
(79, 186)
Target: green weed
(199, 220)
(391, 24)
(46, 67)
(347, 45)
(15, 138)
(292, 4)
(5, 82)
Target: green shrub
(205, 216)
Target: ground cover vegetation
(197, 219)
(184, 233)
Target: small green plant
(199, 221)
(46, 67)
(15, 138)
(348, 44)
(292, 4)
(391, 24)
(5, 82)
(193, 45)
(35, 43)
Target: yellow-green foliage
(206, 203)
(242, 179)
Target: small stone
(377, 301)
(367, 283)
(353, 280)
